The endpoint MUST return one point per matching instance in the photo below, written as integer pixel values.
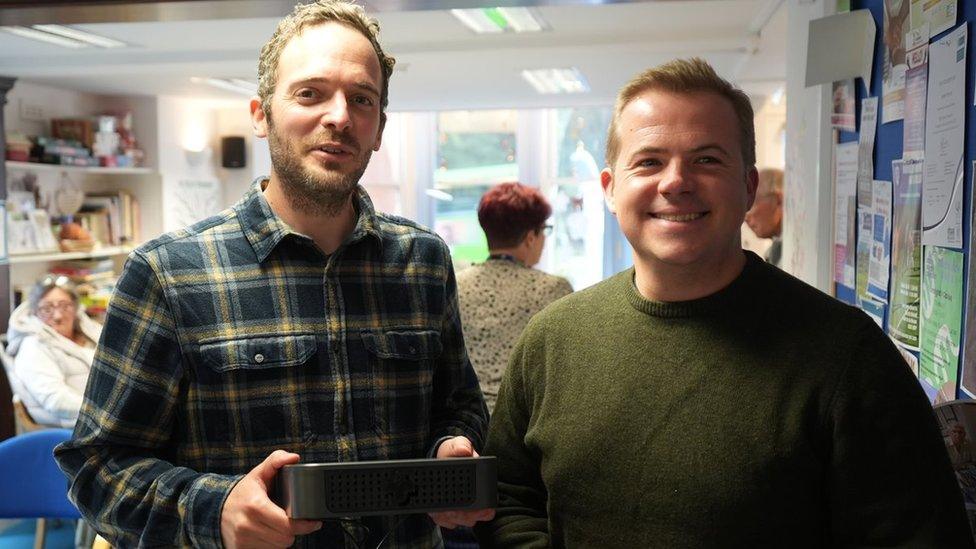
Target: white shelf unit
(38, 167)
(145, 184)
(104, 251)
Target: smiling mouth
(680, 218)
(331, 150)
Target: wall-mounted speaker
(232, 152)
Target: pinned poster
(845, 212)
(3, 232)
(969, 340)
(841, 46)
(916, 86)
(941, 322)
(843, 116)
(938, 15)
(865, 152)
(906, 252)
(895, 62)
(880, 262)
(945, 125)
(865, 231)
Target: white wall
(770, 123)
(808, 206)
(30, 107)
(236, 121)
(188, 160)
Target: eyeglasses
(56, 280)
(48, 309)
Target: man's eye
(649, 163)
(307, 93)
(363, 100)
(707, 160)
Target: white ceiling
(441, 64)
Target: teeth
(331, 151)
(685, 217)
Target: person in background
(299, 324)
(765, 218)
(704, 398)
(52, 342)
(499, 296)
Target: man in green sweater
(704, 398)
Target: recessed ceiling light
(236, 85)
(438, 194)
(495, 20)
(551, 81)
(81, 36)
(45, 37)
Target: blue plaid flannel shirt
(237, 336)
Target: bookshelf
(144, 185)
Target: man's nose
(336, 115)
(675, 179)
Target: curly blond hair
(310, 15)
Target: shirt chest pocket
(401, 373)
(257, 353)
(411, 346)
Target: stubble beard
(309, 193)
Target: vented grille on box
(356, 491)
(327, 490)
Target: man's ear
(606, 181)
(379, 134)
(259, 123)
(752, 183)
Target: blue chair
(31, 485)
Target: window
(585, 242)
(475, 150)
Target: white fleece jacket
(50, 370)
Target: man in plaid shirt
(298, 324)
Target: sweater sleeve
(889, 478)
(521, 518)
(38, 370)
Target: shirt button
(259, 358)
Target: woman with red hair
(499, 296)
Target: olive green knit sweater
(766, 415)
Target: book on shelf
(111, 218)
(85, 270)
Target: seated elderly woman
(53, 344)
(498, 297)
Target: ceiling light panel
(81, 36)
(556, 81)
(33, 34)
(236, 85)
(497, 20)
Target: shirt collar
(265, 230)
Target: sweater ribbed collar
(725, 299)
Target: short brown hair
(507, 213)
(686, 76)
(310, 15)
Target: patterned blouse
(497, 298)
